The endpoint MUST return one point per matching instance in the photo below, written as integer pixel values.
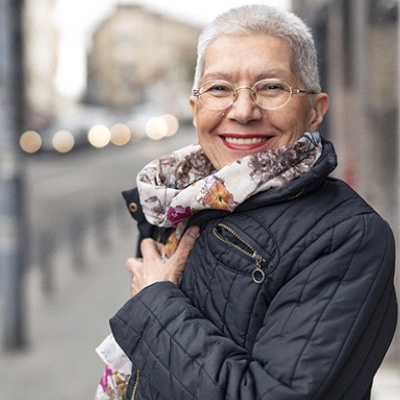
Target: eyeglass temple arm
(298, 91)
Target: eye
(219, 89)
(271, 88)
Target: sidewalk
(387, 383)
(64, 329)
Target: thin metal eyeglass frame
(253, 93)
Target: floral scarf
(176, 186)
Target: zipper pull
(258, 274)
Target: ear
(193, 104)
(318, 110)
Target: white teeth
(244, 140)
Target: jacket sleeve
(324, 335)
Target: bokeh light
(172, 124)
(99, 136)
(156, 128)
(63, 141)
(30, 142)
(120, 134)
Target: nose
(244, 109)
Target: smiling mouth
(245, 141)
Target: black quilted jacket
(289, 297)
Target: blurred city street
(76, 278)
(71, 295)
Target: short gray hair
(263, 19)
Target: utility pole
(397, 230)
(12, 220)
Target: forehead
(250, 55)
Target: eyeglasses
(268, 94)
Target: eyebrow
(278, 72)
(272, 73)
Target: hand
(153, 268)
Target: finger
(160, 247)
(131, 263)
(150, 248)
(187, 242)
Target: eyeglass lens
(267, 94)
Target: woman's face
(244, 128)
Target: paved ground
(387, 383)
(65, 327)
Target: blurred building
(358, 43)
(139, 56)
(40, 62)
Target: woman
(282, 285)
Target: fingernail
(193, 231)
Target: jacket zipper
(258, 274)
(298, 194)
(136, 384)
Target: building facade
(139, 56)
(358, 44)
(40, 49)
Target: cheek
(206, 121)
(294, 120)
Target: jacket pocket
(229, 236)
(230, 283)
